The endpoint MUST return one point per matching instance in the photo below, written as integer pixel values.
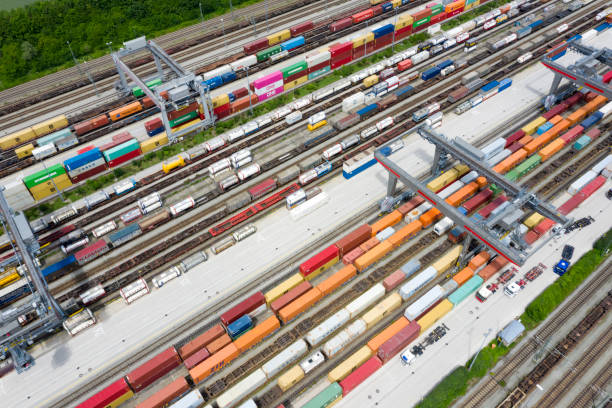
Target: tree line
(33, 38)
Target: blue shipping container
(51, 269)
(535, 24)
(213, 82)
(430, 73)
(231, 97)
(293, 43)
(387, 7)
(240, 326)
(575, 38)
(82, 159)
(445, 64)
(504, 83)
(124, 234)
(367, 109)
(591, 120)
(403, 90)
(523, 32)
(601, 27)
(544, 128)
(489, 86)
(384, 30)
(155, 131)
(581, 142)
(462, 210)
(228, 77)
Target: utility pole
(484, 339)
(231, 9)
(76, 63)
(223, 31)
(249, 89)
(267, 24)
(394, 24)
(201, 16)
(365, 43)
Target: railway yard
(286, 260)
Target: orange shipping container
(508, 163)
(576, 116)
(462, 194)
(405, 233)
(463, 276)
(556, 119)
(430, 217)
(481, 181)
(369, 244)
(560, 128)
(479, 260)
(595, 104)
(299, 305)
(390, 331)
(525, 139)
(214, 363)
(201, 341)
(386, 221)
(124, 111)
(373, 255)
(257, 334)
(552, 148)
(336, 280)
(538, 143)
(218, 344)
(162, 397)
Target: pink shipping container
(593, 133)
(571, 204)
(352, 256)
(514, 137)
(271, 93)
(369, 244)
(531, 237)
(153, 369)
(572, 134)
(555, 110)
(392, 281)
(397, 343)
(196, 358)
(360, 375)
(543, 227)
(593, 186)
(268, 79)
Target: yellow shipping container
(278, 37)
(350, 364)
(404, 21)
(218, 100)
(283, 288)
(396, 3)
(154, 142)
(24, 151)
(468, 6)
(532, 126)
(447, 177)
(370, 81)
(435, 314)
(17, 138)
(448, 259)
(381, 309)
(187, 124)
(46, 189)
(50, 125)
(290, 378)
(325, 267)
(295, 83)
(533, 220)
(360, 41)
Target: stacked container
(178, 117)
(383, 36)
(340, 54)
(318, 64)
(46, 182)
(421, 19)
(122, 153)
(85, 165)
(295, 74)
(268, 85)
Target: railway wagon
(248, 305)
(283, 287)
(112, 396)
(257, 334)
(201, 341)
(152, 370)
(299, 305)
(164, 396)
(312, 267)
(290, 296)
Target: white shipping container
(369, 132)
(602, 164)
(453, 32)
(214, 143)
(302, 103)
(606, 109)
(332, 151)
(419, 306)
(353, 101)
(309, 206)
(281, 113)
(234, 134)
(498, 157)
(450, 189)
(311, 362)
(416, 283)
(293, 117)
(239, 155)
(443, 226)
(337, 343)
(284, 358)
(434, 29)
(249, 127)
(181, 206)
(217, 72)
(134, 291)
(219, 166)
(435, 118)
(263, 121)
(104, 229)
(494, 147)
(585, 179)
(420, 57)
(469, 177)
(384, 234)
(385, 123)
(330, 325)
(316, 118)
(44, 151)
(367, 299)
(322, 94)
(318, 58)
(245, 387)
(242, 63)
(248, 171)
(165, 277)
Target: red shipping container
(531, 237)
(318, 66)
(162, 397)
(411, 205)
(544, 226)
(358, 52)
(383, 41)
(515, 146)
(555, 110)
(437, 18)
(392, 281)
(107, 396)
(404, 65)
(257, 45)
(403, 33)
(122, 137)
(240, 92)
(242, 103)
(377, 10)
(178, 113)
(486, 211)
(340, 24)
(340, 49)
(317, 261)
(353, 239)
(398, 342)
(85, 149)
(572, 134)
(153, 124)
(593, 133)
(478, 200)
(196, 358)
(588, 98)
(420, 28)
(571, 204)
(153, 369)
(89, 173)
(248, 305)
(201, 341)
(147, 102)
(290, 296)
(418, 15)
(295, 76)
(352, 256)
(262, 188)
(362, 16)
(126, 157)
(301, 28)
(593, 186)
(454, 13)
(222, 111)
(89, 125)
(360, 375)
(339, 63)
(515, 137)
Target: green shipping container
(267, 53)
(44, 175)
(496, 190)
(120, 150)
(151, 84)
(512, 175)
(294, 69)
(437, 9)
(326, 397)
(465, 290)
(526, 166)
(182, 119)
(581, 142)
(420, 22)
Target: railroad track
(599, 350)
(589, 394)
(515, 360)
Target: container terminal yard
(377, 201)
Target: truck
(562, 266)
(512, 289)
(485, 292)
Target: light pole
(201, 16)
(484, 339)
(110, 49)
(267, 24)
(249, 89)
(365, 43)
(76, 63)
(394, 24)
(223, 31)
(231, 9)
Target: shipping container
(155, 368)
(214, 363)
(288, 297)
(299, 305)
(248, 305)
